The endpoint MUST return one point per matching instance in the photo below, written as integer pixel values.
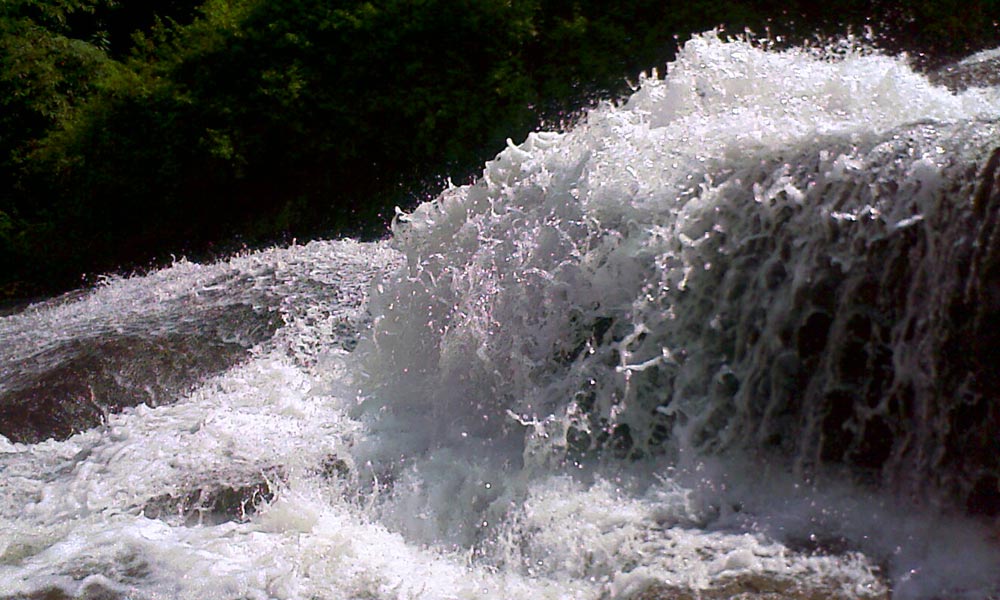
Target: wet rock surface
(759, 587)
(67, 362)
(72, 385)
(981, 70)
(210, 505)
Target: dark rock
(73, 386)
(210, 505)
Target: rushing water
(734, 337)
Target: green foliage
(53, 15)
(44, 76)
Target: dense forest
(131, 130)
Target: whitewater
(734, 336)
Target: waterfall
(761, 252)
(733, 335)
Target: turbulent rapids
(733, 337)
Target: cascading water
(732, 338)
